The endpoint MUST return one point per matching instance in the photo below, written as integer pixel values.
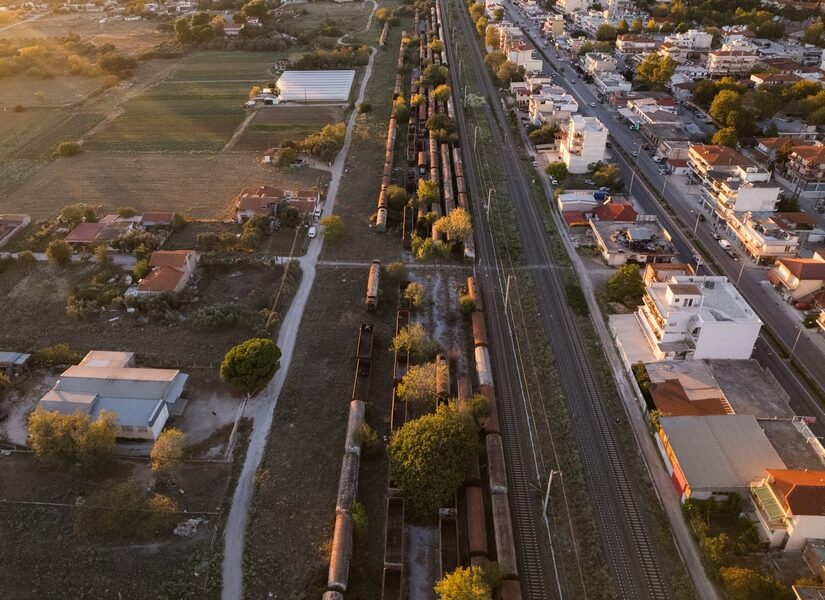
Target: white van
(317, 213)
(725, 244)
(312, 232)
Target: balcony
(770, 510)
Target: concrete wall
(726, 340)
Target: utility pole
(696, 226)
(547, 493)
(507, 292)
(742, 270)
(489, 201)
(796, 341)
(635, 166)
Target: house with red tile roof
(790, 507)
(799, 279)
(171, 272)
(615, 211)
(264, 200)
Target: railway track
(625, 538)
(525, 523)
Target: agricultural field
(31, 91)
(130, 37)
(201, 186)
(36, 134)
(273, 124)
(198, 108)
(347, 16)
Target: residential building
(141, 399)
(598, 62)
(584, 144)
(661, 272)
(799, 279)
(678, 54)
(551, 104)
(767, 149)
(523, 53)
(692, 318)
(607, 83)
(629, 43)
(553, 25)
(171, 272)
(264, 201)
(746, 189)
(616, 211)
(790, 507)
(763, 236)
(656, 134)
(772, 79)
(685, 388)
(693, 39)
(643, 241)
(715, 455)
(707, 159)
(570, 7)
(723, 63)
(673, 149)
(805, 170)
(793, 128)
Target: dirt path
(239, 131)
(264, 404)
(18, 23)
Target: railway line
(626, 541)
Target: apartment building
(553, 25)
(722, 63)
(805, 170)
(610, 82)
(697, 317)
(764, 236)
(678, 54)
(584, 143)
(693, 39)
(551, 104)
(570, 7)
(629, 43)
(598, 62)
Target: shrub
(59, 253)
(360, 522)
(141, 269)
(415, 294)
(333, 228)
(224, 316)
(395, 272)
(466, 304)
(69, 148)
(59, 354)
(60, 439)
(123, 510)
(413, 339)
(364, 107)
(371, 444)
(210, 241)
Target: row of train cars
(477, 529)
(426, 157)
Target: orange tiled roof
(801, 492)
(162, 279)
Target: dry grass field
(198, 185)
(348, 16)
(130, 37)
(273, 124)
(30, 91)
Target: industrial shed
(315, 86)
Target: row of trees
(50, 57)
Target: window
(689, 302)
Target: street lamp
(547, 493)
(742, 270)
(696, 226)
(796, 341)
(635, 166)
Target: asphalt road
(805, 352)
(612, 489)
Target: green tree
(167, 451)
(255, 8)
(608, 176)
(434, 75)
(725, 137)
(606, 33)
(126, 212)
(250, 365)
(481, 25)
(546, 134)
(557, 170)
(72, 214)
(60, 439)
(622, 27)
(430, 457)
(123, 510)
(724, 103)
(457, 225)
(508, 72)
(492, 37)
(654, 72)
(382, 15)
(141, 269)
(813, 34)
(415, 294)
(476, 10)
(465, 583)
(636, 26)
(418, 384)
(334, 229)
(427, 191)
(285, 156)
(704, 92)
(396, 197)
(625, 286)
(413, 338)
(747, 584)
(498, 14)
(395, 272)
(59, 253)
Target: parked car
(589, 182)
(634, 153)
(554, 181)
(732, 253)
(312, 232)
(534, 162)
(716, 236)
(593, 105)
(725, 244)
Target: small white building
(551, 104)
(584, 143)
(790, 507)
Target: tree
(400, 110)
(382, 15)
(167, 451)
(725, 102)
(492, 38)
(333, 228)
(395, 272)
(704, 92)
(413, 338)
(557, 170)
(69, 148)
(636, 26)
(608, 176)
(60, 439)
(813, 34)
(457, 225)
(59, 253)
(72, 214)
(290, 216)
(442, 93)
(655, 72)
(606, 33)
(255, 8)
(498, 14)
(622, 27)
(747, 584)
(415, 294)
(787, 204)
(250, 365)
(508, 72)
(430, 457)
(725, 137)
(481, 25)
(126, 212)
(123, 510)
(427, 191)
(434, 75)
(396, 197)
(476, 10)
(418, 384)
(546, 134)
(465, 583)
(285, 156)
(141, 269)
(625, 286)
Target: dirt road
(263, 407)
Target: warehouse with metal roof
(315, 86)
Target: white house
(584, 143)
(790, 507)
(551, 104)
(142, 399)
(697, 317)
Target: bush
(413, 339)
(123, 510)
(26, 260)
(210, 241)
(364, 107)
(253, 233)
(141, 269)
(59, 253)
(395, 272)
(60, 439)
(415, 294)
(69, 148)
(59, 354)
(360, 522)
(126, 212)
(225, 316)
(466, 304)
(370, 442)
(72, 214)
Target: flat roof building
(315, 86)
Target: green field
(349, 17)
(36, 134)
(196, 109)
